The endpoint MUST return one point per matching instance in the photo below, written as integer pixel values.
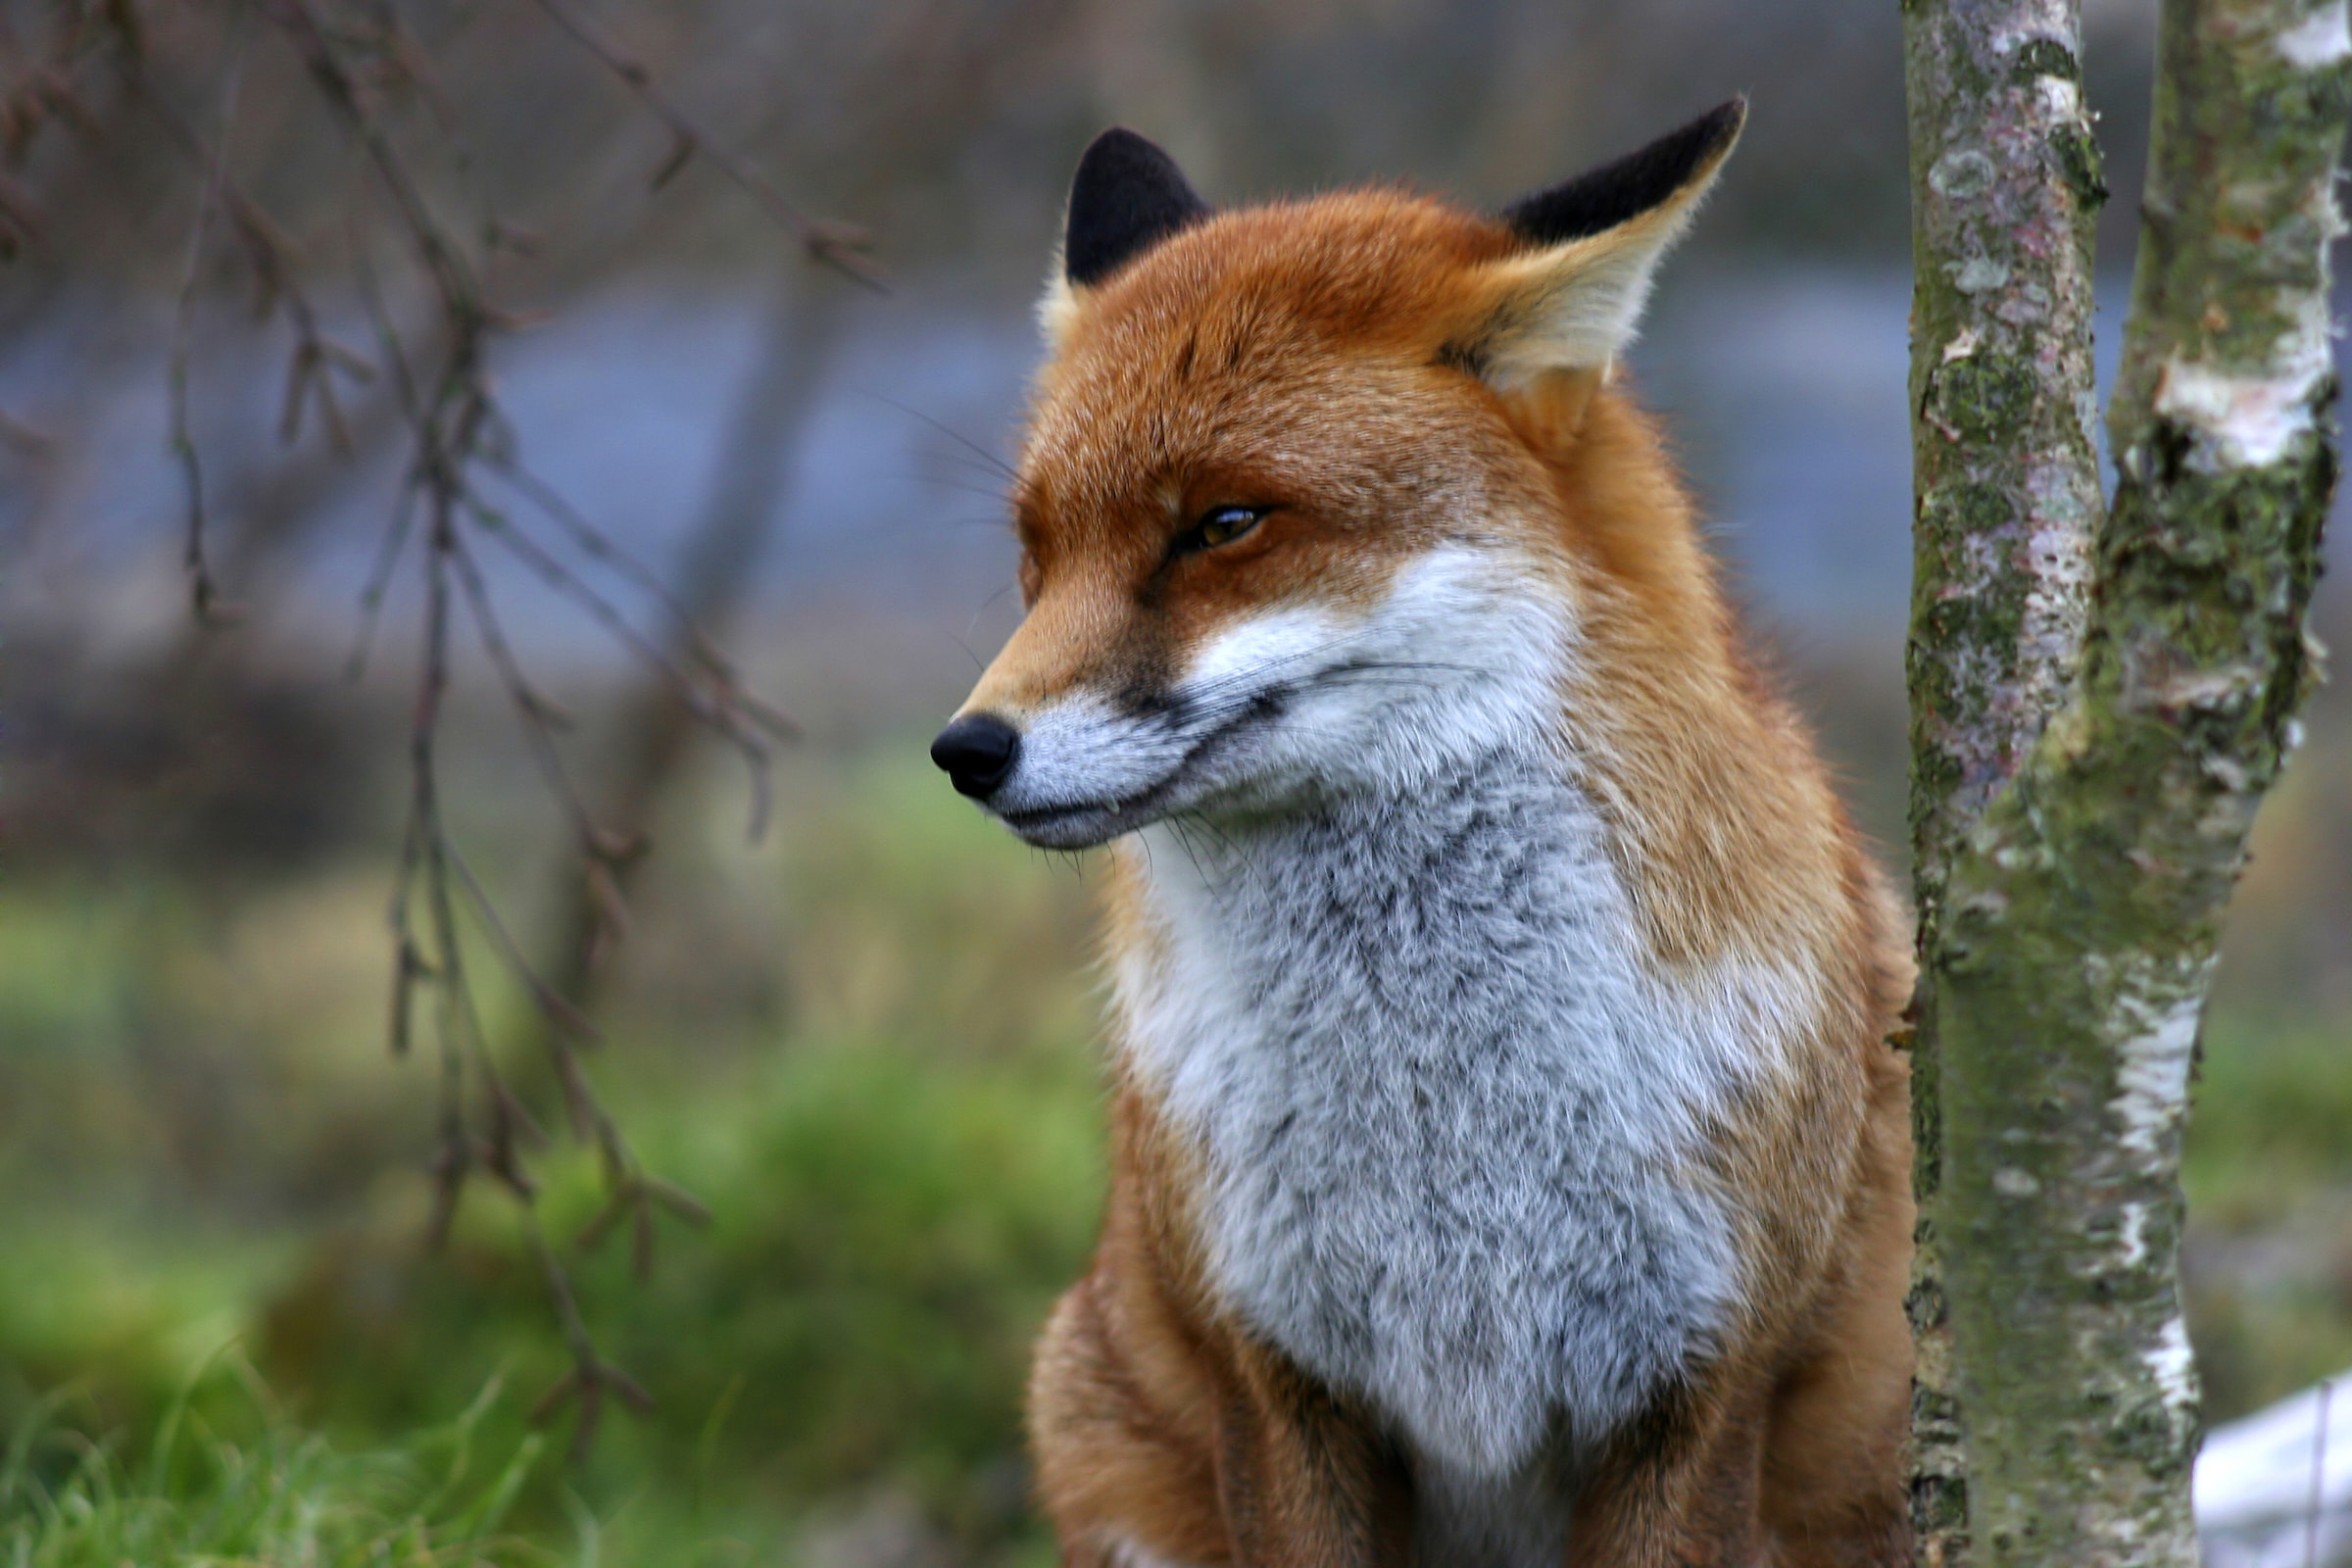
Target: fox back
(1508, 1161)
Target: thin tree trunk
(2074, 925)
(715, 576)
(2005, 193)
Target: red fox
(1510, 1163)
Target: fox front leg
(1304, 1484)
(1680, 1489)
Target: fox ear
(1127, 196)
(1571, 299)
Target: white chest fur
(1447, 1111)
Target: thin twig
(204, 593)
(422, 855)
(443, 262)
(575, 1022)
(278, 270)
(717, 708)
(540, 715)
(837, 245)
(379, 579)
(600, 547)
(591, 1374)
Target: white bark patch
(2183, 686)
(2010, 1182)
(1979, 275)
(2058, 555)
(2051, 27)
(1962, 174)
(2151, 1062)
(2243, 421)
(2248, 420)
(2152, 1078)
(2319, 41)
(2060, 100)
(2174, 1365)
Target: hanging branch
(447, 425)
(204, 593)
(278, 274)
(456, 432)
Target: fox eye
(1220, 526)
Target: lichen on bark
(2068, 931)
(2006, 186)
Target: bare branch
(455, 432)
(379, 579)
(599, 547)
(539, 714)
(718, 708)
(203, 591)
(840, 246)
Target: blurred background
(865, 1041)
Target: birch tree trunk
(2005, 194)
(2074, 921)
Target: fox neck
(1446, 1110)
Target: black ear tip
(1726, 119)
(1702, 140)
(1119, 143)
(1632, 186)
(1127, 196)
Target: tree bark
(2073, 924)
(2005, 193)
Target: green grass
(887, 1231)
(277, 1496)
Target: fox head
(1290, 507)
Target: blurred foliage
(2268, 1252)
(899, 1181)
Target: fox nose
(977, 751)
